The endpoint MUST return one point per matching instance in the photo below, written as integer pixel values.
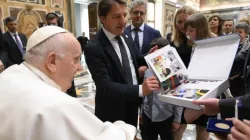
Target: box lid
(213, 57)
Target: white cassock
(32, 107)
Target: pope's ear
(51, 62)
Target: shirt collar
(12, 34)
(108, 34)
(141, 27)
(227, 34)
(42, 76)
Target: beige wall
(30, 14)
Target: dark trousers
(152, 129)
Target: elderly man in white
(33, 105)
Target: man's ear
(102, 18)
(51, 62)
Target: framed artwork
(222, 4)
(169, 18)
(28, 20)
(1, 19)
(30, 1)
(56, 3)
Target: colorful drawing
(161, 67)
(188, 93)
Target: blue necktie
(136, 39)
(20, 47)
(125, 61)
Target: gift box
(219, 126)
(206, 76)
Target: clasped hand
(149, 85)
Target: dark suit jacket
(83, 41)
(227, 105)
(14, 54)
(115, 99)
(149, 34)
(3, 51)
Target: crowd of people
(35, 74)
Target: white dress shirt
(19, 39)
(115, 44)
(140, 34)
(34, 108)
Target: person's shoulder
(79, 37)
(93, 47)
(35, 92)
(151, 29)
(5, 34)
(128, 28)
(22, 35)
(93, 44)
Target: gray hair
(137, 3)
(242, 25)
(56, 43)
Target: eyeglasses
(138, 12)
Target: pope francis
(33, 103)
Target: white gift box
(208, 71)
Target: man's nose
(182, 25)
(123, 20)
(79, 67)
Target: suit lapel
(111, 51)
(132, 50)
(10, 38)
(246, 68)
(129, 44)
(145, 38)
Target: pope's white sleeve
(69, 120)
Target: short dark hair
(51, 16)
(160, 42)
(228, 20)
(242, 25)
(9, 19)
(104, 6)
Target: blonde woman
(179, 41)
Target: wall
(82, 19)
(78, 19)
(159, 4)
(29, 14)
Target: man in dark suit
(16, 41)
(112, 61)
(141, 33)
(83, 40)
(3, 53)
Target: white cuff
(140, 91)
